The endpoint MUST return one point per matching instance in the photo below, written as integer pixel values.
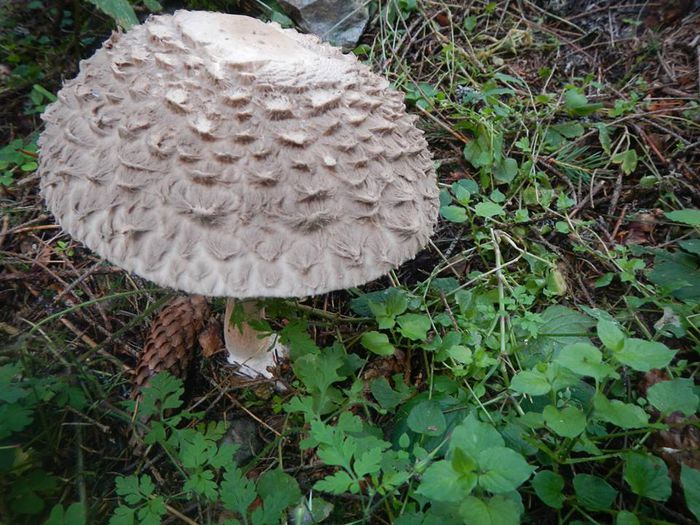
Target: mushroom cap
(223, 156)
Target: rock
(339, 22)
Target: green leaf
(625, 517)
(73, 515)
(502, 470)
(623, 415)
(120, 10)
(387, 397)
(584, 359)
(163, 392)
(676, 395)
(337, 483)
(569, 129)
(368, 462)
(532, 382)
(488, 209)
(593, 492)
(690, 480)
(568, 422)
(237, 492)
(505, 171)
(473, 436)
(610, 335)
(603, 136)
(498, 510)
(628, 160)
(377, 343)
(123, 516)
(454, 213)
(278, 490)
(440, 482)
(560, 326)
(548, 486)
(647, 476)
(577, 104)
(427, 418)
(691, 217)
(414, 326)
(128, 488)
(642, 355)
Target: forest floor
(537, 362)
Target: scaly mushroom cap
(224, 156)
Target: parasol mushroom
(223, 156)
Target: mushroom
(223, 156)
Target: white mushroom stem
(249, 349)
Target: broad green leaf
(647, 476)
(691, 217)
(625, 517)
(642, 355)
(676, 395)
(377, 343)
(610, 335)
(505, 171)
(414, 326)
(427, 418)
(454, 213)
(690, 480)
(73, 515)
(498, 510)
(532, 382)
(474, 436)
(440, 482)
(278, 490)
(119, 10)
(624, 415)
(502, 470)
(584, 359)
(387, 397)
(561, 326)
(568, 422)
(603, 136)
(548, 486)
(593, 492)
(488, 209)
(570, 129)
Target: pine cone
(171, 340)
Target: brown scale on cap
(184, 140)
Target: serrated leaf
(335, 484)
(123, 516)
(368, 462)
(548, 486)
(642, 355)
(237, 492)
(627, 160)
(674, 395)
(377, 343)
(593, 492)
